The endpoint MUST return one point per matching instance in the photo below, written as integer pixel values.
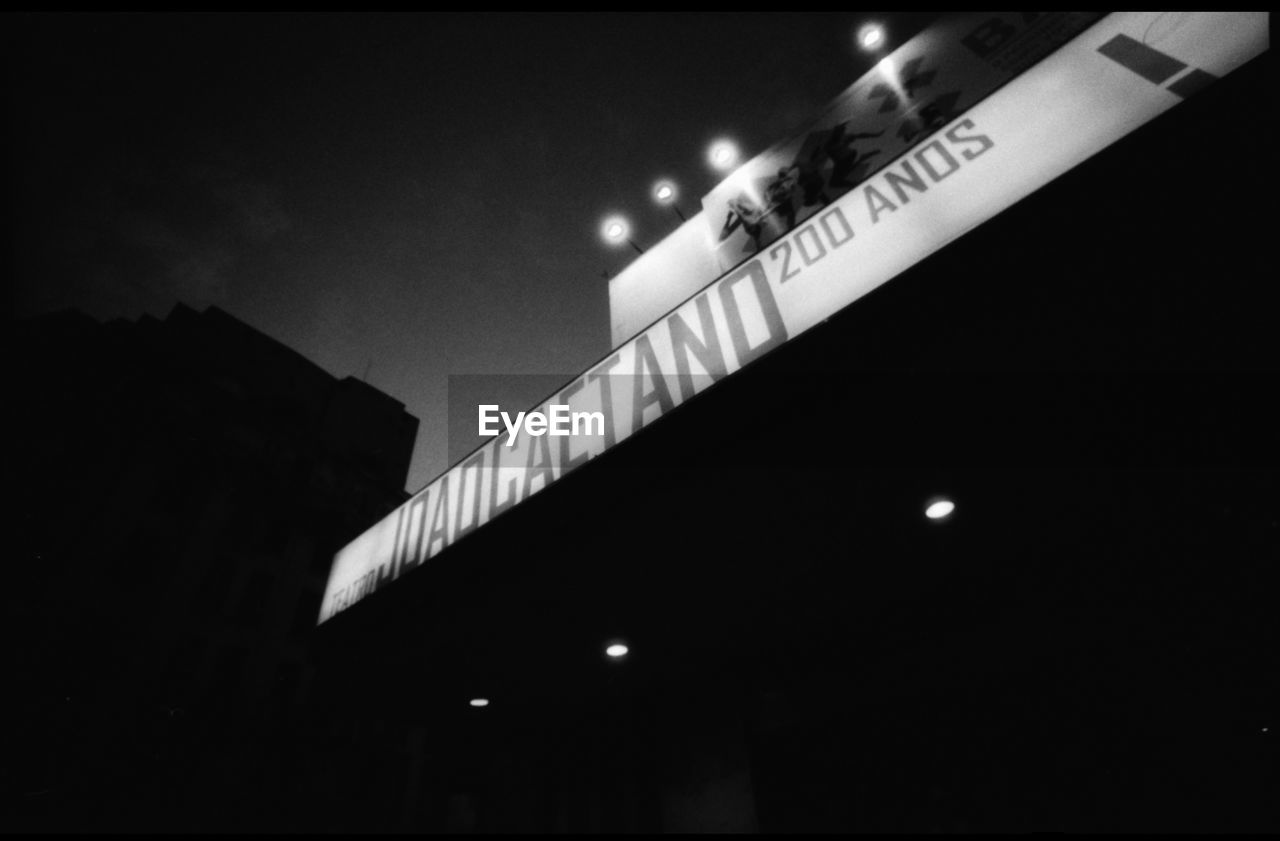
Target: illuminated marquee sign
(923, 85)
(1117, 75)
(906, 96)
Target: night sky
(407, 196)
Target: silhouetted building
(182, 486)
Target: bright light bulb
(870, 36)
(723, 154)
(614, 230)
(939, 509)
(664, 191)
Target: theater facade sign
(963, 121)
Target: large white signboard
(921, 86)
(1117, 75)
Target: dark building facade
(184, 484)
(1087, 644)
